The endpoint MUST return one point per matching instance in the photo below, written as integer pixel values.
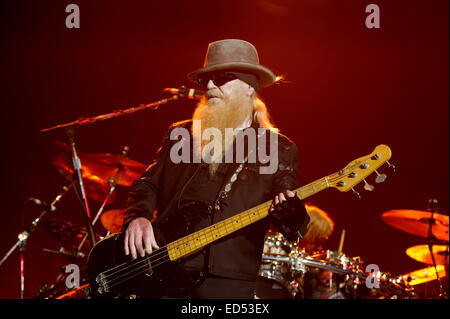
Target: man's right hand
(139, 235)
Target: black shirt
(203, 186)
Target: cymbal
(423, 275)
(98, 189)
(112, 220)
(105, 166)
(416, 222)
(98, 166)
(421, 253)
(64, 230)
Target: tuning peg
(391, 166)
(380, 177)
(367, 186)
(356, 193)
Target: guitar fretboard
(196, 241)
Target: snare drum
(274, 278)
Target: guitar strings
(143, 263)
(224, 225)
(204, 233)
(207, 237)
(140, 270)
(135, 272)
(161, 250)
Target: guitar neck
(196, 241)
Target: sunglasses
(219, 79)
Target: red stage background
(348, 88)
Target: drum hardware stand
(112, 181)
(23, 236)
(70, 132)
(431, 239)
(72, 256)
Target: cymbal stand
(431, 239)
(23, 237)
(112, 181)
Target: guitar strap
(225, 191)
(226, 188)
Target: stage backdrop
(347, 88)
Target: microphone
(190, 93)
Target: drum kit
(288, 271)
(94, 176)
(101, 173)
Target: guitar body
(112, 274)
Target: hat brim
(265, 76)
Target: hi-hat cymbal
(417, 222)
(112, 220)
(423, 275)
(422, 254)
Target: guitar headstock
(357, 170)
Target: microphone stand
(23, 236)
(431, 240)
(89, 120)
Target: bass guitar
(112, 274)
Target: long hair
(320, 227)
(261, 115)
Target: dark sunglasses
(219, 79)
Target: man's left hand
(281, 197)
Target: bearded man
(231, 76)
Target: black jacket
(238, 255)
